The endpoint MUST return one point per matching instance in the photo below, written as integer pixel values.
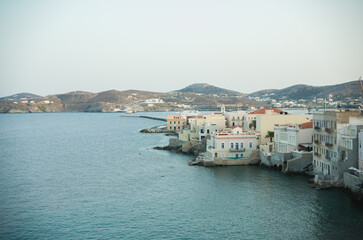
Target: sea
(95, 176)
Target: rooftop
(263, 111)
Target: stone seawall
(354, 184)
(300, 162)
(148, 117)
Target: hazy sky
(49, 47)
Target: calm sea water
(94, 176)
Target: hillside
(340, 91)
(209, 90)
(132, 100)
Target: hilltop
(209, 90)
(20, 96)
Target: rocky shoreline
(197, 149)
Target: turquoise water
(94, 176)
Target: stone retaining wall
(300, 161)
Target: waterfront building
(176, 123)
(335, 143)
(289, 137)
(199, 127)
(292, 147)
(232, 144)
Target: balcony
(328, 130)
(317, 128)
(316, 141)
(317, 154)
(327, 157)
(237, 150)
(329, 145)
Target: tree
(253, 125)
(270, 135)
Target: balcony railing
(316, 141)
(317, 128)
(328, 130)
(327, 157)
(317, 154)
(237, 150)
(329, 145)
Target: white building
(288, 137)
(153, 100)
(233, 144)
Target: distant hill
(340, 91)
(209, 90)
(21, 96)
(135, 100)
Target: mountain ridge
(340, 91)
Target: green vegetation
(42, 108)
(253, 124)
(270, 135)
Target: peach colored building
(176, 123)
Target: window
(283, 137)
(241, 144)
(202, 130)
(241, 154)
(237, 146)
(222, 145)
(208, 131)
(216, 154)
(251, 145)
(178, 122)
(231, 145)
(170, 122)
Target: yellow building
(267, 118)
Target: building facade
(176, 123)
(235, 119)
(360, 149)
(266, 122)
(233, 144)
(288, 137)
(335, 143)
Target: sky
(50, 47)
